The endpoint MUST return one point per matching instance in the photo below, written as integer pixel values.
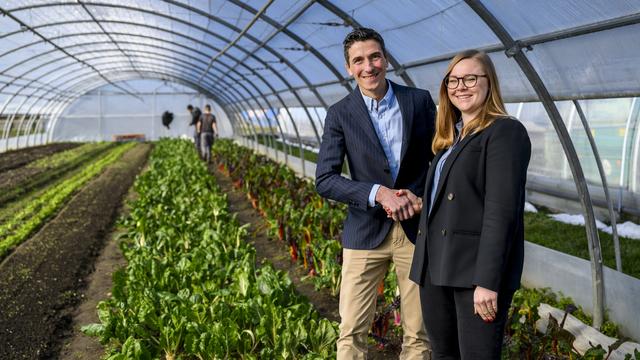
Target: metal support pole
(153, 115)
(27, 129)
(565, 164)
(625, 146)
(31, 124)
(10, 125)
(100, 115)
(605, 186)
(636, 159)
(634, 183)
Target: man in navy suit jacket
(385, 131)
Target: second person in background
(470, 248)
(195, 113)
(207, 127)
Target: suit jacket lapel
(430, 173)
(361, 114)
(406, 109)
(447, 166)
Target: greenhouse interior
(122, 239)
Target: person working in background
(207, 128)
(195, 117)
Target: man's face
(368, 66)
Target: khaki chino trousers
(362, 271)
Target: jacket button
(450, 196)
(444, 232)
(419, 232)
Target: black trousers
(206, 141)
(196, 138)
(453, 329)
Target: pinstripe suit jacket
(348, 131)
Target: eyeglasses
(470, 80)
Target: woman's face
(468, 98)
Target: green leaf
(95, 330)
(243, 283)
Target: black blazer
(348, 131)
(474, 234)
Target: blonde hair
(448, 114)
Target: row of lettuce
(44, 171)
(24, 217)
(192, 289)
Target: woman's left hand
(485, 303)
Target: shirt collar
(459, 126)
(371, 102)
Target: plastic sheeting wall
(104, 113)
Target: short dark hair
(207, 107)
(189, 107)
(362, 34)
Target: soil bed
(16, 182)
(79, 346)
(17, 158)
(40, 281)
(276, 253)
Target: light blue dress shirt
(387, 121)
(441, 162)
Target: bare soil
(17, 158)
(41, 281)
(79, 346)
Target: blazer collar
(429, 180)
(406, 109)
(447, 166)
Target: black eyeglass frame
(462, 80)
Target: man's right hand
(415, 200)
(400, 204)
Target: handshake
(400, 204)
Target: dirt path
(40, 281)
(17, 158)
(276, 253)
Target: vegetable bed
(42, 280)
(40, 173)
(24, 221)
(191, 289)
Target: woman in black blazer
(470, 246)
